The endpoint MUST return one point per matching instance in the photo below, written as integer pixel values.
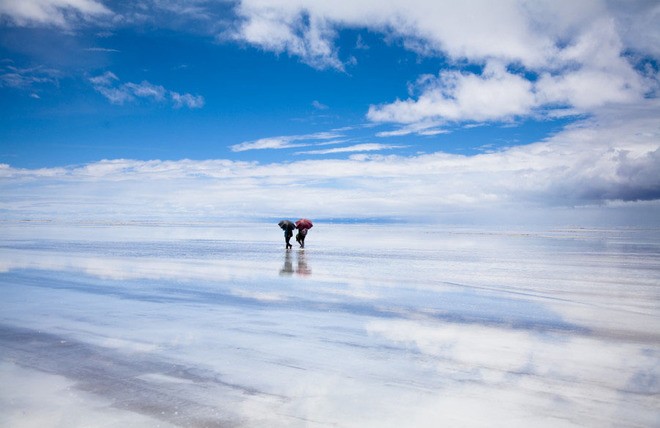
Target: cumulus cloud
(307, 29)
(285, 27)
(108, 85)
(546, 55)
(499, 95)
(496, 94)
(58, 13)
(589, 74)
(532, 34)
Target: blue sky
(530, 87)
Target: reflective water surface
(369, 326)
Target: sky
(419, 110)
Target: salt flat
(158, 324)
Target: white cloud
(59, 13)
(105, 79)
(97, 49)
(496, 94)
(284, 142)
(531, 34)
(197, 9)
(640, 21)
(421, 127)
(146, 90)
(596, 76)
(27, 77)
(466, 30)
(284, 27)
(108, 85)
(318, 105)
(267, 143)
(366, 147)
(586, 90)
(188, 100)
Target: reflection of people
(287, 269)
(300, 237)
(302, 268)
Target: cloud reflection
(552, 332)
(535, 375)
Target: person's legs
(302, 234)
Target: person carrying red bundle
(303, 225)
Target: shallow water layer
(369, 326)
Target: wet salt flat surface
(369, 326)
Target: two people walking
(303, 225)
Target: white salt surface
(369, 326)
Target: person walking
(288, 228)
(303, 225)
(300, 237)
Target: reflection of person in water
(303, 269)
(287, 269)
